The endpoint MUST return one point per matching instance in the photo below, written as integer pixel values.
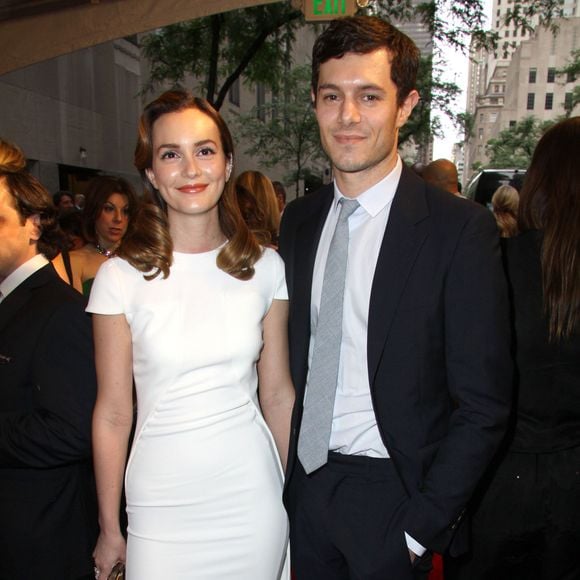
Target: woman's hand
(110, 549)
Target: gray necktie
(319, 403)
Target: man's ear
(312, 99)
(407, 107)
(151, 177)
(34, 228)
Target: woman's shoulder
(269, 258)
(270, 273)
(120, 267)
(116, 283)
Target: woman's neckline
(206, 252)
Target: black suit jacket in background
(438, 345)
(47, 391)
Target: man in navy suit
(47, 390)
(424, 372)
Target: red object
(437, 571)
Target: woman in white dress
(196, 311)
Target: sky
(456, 72)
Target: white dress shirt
(354, 427)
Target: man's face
(359, 119)
(66, 202)
(17, 239)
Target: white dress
(203, 480)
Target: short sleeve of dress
(107, 296)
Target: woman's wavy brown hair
(550, 202)
(147, 244)
(30, 198)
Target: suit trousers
(346, 522)
(526, 525)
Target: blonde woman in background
(505, 202)
(259, 206)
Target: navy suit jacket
(47, 393)
(438, 345)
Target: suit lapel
(405, 234)
(307, 239)
(19, 297)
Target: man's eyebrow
(328, 86)
(366, 87)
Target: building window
(234, 93)
(551, 75)
(512, 124)
(532, 75)
(480, 133)
(531, 99)
(481, 117)
(570, 77)
(549, 101)
(260, 101)
(568, 101)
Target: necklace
(104, 251)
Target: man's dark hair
(365, 34)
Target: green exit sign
(328, 9)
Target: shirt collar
(21, 273)
(377, 197)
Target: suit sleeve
(57, 429)
(285, 237)
(479, 378)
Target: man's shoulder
(443, 202)
(49, 291)
(307, 203)
(416, 199)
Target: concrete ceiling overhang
(35, 30)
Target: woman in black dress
(526, 523)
